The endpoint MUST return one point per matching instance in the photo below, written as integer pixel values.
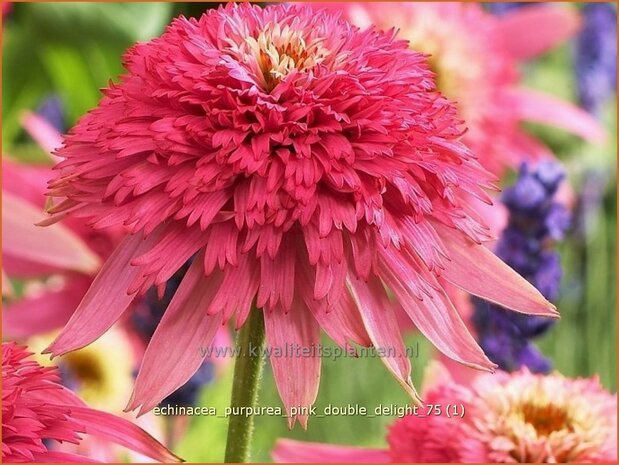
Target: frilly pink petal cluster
(36, 408)
(307, 166)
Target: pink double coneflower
(476, 56)
(519, 417)
(36, 409)
(308, 167)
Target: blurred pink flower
(518, 417)
(475, 56)
(70, 250)
(37, 409)
(307, 165)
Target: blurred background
(56, 57)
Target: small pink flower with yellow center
(307, 166)
(519, 417)
(475, 56)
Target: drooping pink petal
(56, 245)
(528, 32)
(61, 457)
(237, 291)
(296, 376)
(20, 268)
(168, 365)
(459, 373)
(382, 327)
(490, 278)
(122, 432)
(536, 106)
(107, 298)
(340, 320)
(277, 279)
(43, 313)
(495, 215)
(526, 148)
(43, 133)
(291, 451)
(174, 247)
(433, 314)
(25, 181)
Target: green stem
(247, 374)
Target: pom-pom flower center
(545, 418)
(278, 51)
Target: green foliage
(71, 50)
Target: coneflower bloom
(306, 165)
(475, 56)
(36, 409)
(519, 417)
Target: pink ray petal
(277, 279)
(56, 245)
(435, 315)
(106, 300)
(43, 313)
(341, 320)
(60, 457)
(175, 246)
(28, 182)
(459, 373)
(20, 268)
(122, 432)
(382, 326)
(530, 32)
(237, 291)
(527, 148)
(496, 216)
(174, 352)
(537, 106)
(478, 271)
(60, 395)
(43, 133)
(297, 376)
(291, 451)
